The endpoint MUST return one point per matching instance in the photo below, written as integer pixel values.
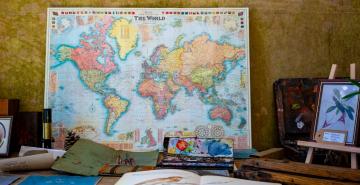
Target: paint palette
(197, 153)
(201, 147)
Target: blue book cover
(7, 179)
(60, 180)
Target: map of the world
(128, 77)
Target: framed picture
(5, 131)
(336, 113)
(296, 108)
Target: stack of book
(197, 153)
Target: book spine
(47, 128)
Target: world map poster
(128, 77)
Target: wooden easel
(342, 148)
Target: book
(174, 176)
(197, 153)
(8, 179)
(89, 158)
(60, 180)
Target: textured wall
(288, 38)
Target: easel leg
(353, 155)
(309, 156)
(353, 161)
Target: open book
(173, 177)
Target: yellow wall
(288, 38)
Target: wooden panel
(329, 146)
(274, 153)
(9, 107)
(269, 176)
(304, 169)
(26, 130)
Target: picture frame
(336, 113)
(295, 105)
(5, 134)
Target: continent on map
(92, 73)
(222, 113)
(195, 65)
(126, 36)
(161, 95)
(116, 107)
(94, 58)
(94, 79)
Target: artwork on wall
(5, 131)
(296, 108)
(335, 112)
(204, 147)
(128, 77)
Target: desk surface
(105, 180)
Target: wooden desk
(105, 180)
(312, 145)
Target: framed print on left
(5, 130)
(334, 112)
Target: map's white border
(246, 11)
